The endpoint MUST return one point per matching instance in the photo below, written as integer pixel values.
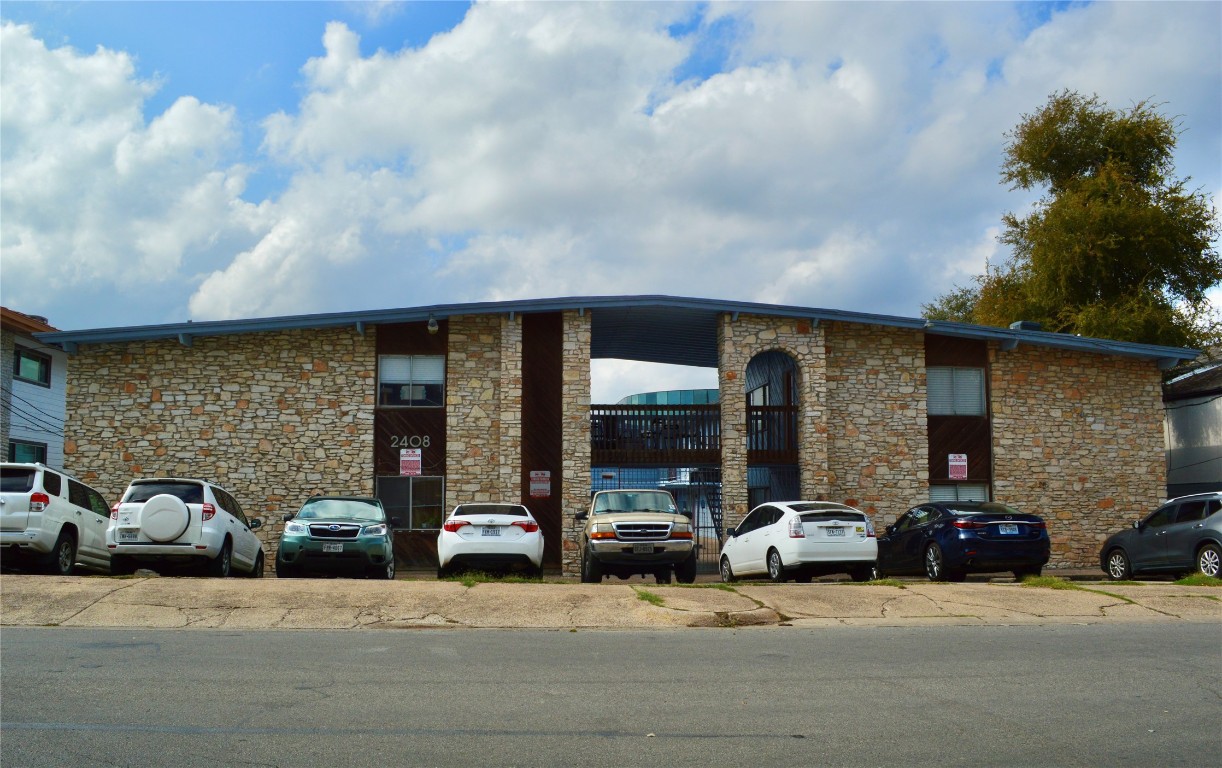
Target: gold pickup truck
(629, 532)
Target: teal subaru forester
(337, 535)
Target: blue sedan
(948, 540)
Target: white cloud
(846, 157)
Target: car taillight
(208, 511)
(795, 528)
(453, 525)
(530, 526)
(870, 530)
(114, 511)
(965, 525)
(39, 502)
(1038, 525)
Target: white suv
(175, 521)
(51, 520)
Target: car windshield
(634, 501)
(341, 509)
(190, 493)
(16, 480)
(517, 510)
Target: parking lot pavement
(99, 601)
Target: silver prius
(800, 540)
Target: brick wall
(1079, 440)
(273, 417)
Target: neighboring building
(431, 406)
(31, 391)
(1194, 430)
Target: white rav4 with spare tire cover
(177, 522)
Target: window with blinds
(959, 492)
(955, 391)
(411, 380)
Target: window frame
(12, 451)
(412, 381)
(44, 360)
(957, 406)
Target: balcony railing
(687, 435)
(658, 435)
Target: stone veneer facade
(278, 416)
(878, 445)
(273, 417)
(1078, 439)
(483, 409)
(575, 430)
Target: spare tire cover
(164, 518)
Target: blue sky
(170, 161)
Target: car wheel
(385, 571)
(935, 565)
(727, 573)
(876, 573)
(62, 560)
(257, 571)
(776, 568)
(221, 564)
(685, 572)
(1209, 560)
(1118, 567)
(591, 569)
(862, 574)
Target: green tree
(1116, 248)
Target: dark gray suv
(1181, 536)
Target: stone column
(575, 480)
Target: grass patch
(647, 596)
(879, 583)
(1200, 580)
(1049, 582)
(1127, 583)
(471, 578)
(714, 585)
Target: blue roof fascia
(360, 320)
(1012, 337)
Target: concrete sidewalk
(98, 601)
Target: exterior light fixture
(432, 324)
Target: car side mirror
(1137, 524)
(581, 516)
(256, 523)
(890, 529)
(287, 518)
(395, 522)
(731, 532)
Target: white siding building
(32, 396)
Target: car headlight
(602, 531)
(374, 530)
(295, 528)
(681, 528)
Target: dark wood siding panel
(542, 422)
(956, 352)
(960, 434)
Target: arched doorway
(772, 428)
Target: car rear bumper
(454, 549)
(982, 556)
(32, 541)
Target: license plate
(491, 530)
(834, 532)
(128, 536)
(642, 549)
(333, 546)
(1010, 528)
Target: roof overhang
(658, 329)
